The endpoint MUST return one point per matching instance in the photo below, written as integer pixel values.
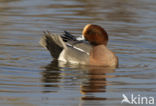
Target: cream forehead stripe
(85, 28)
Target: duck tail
(52, 42)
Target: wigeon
(90, 49)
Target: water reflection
(97, 82)
(93, 79)
(51, 77)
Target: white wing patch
(78, 49)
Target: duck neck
(99, 47)
(98, 51)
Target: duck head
(95, 35)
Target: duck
(89, 49)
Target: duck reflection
(93, 79)
(97, 82)
(51, 77)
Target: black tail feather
(67, 36)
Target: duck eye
(90, 32)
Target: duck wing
(72, 41)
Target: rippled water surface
(28, 77)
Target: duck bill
(80, 40)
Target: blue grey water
(29, 77)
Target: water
(29, 78)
